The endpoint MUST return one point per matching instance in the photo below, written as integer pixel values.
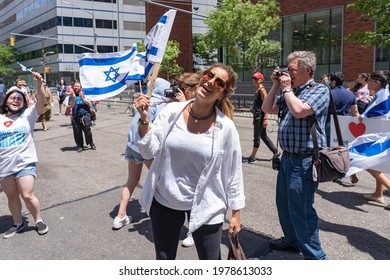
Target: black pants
(82, 124)
(166, 226)
(260, 132)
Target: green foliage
(201, 53)
(7, 56)
(243, 29)
(379, 12)
(169, 64)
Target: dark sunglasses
(218, 81)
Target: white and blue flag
(380, 106)
(24, 68)
(156, 40)
(108, 74)
(370, 151)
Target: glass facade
(320, 32)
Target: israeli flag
(157, 38)
(380, 107)
(370, 151)
(24, 68)
(108, 74)
(104, 75)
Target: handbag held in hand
(235, 249)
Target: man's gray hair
(305, 59)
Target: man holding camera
(301, 99)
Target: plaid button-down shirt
(294, 134)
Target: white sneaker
(188, 241)
(119, 223)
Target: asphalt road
(80, 192)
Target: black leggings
(260, 132)
(166, 227)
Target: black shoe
(280, 245)
(93, 147)
(42, 228)
(252, 160)
(13, 230)
(79, 149)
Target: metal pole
(94, 33)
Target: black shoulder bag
(330, 163)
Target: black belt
(296, 155)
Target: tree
(242, 29)
(169, 64)
(379, 12)
(7, 56)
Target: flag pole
(153, 77)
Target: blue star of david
(109, 76)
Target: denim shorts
(130, 154)
(29, 169)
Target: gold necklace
(196, 119)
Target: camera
(171, 92)
(281, 71)
(275, 161)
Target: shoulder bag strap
(336, 124)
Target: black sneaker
(252, 160)
(42, 228)
(13, 230)
(79, 149)
(93, 147)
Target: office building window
(106, 24)
(134, 25)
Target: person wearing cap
(18, 156)
(134, 159)
(260, 119)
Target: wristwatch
(145, 122)
(286, 90)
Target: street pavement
(79, 195)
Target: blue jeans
(294, 200)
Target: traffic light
(11, 41)
(47, 69)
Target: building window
(320, 32)
(106, 24)
(67, 21)
(134, 25)
(133, 2)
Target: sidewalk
(80, 192)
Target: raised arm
(40, 93)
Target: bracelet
(143, 122)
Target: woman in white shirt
(18, 155)
(197, 167)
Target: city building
(54, 32)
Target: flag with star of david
(104, 75)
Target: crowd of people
(189, 143)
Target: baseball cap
(258, 75)
(15, 88)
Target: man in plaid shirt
(301, 99)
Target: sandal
(380, 199)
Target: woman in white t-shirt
(197, 166)
(18, 155)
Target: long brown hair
(225, 104)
